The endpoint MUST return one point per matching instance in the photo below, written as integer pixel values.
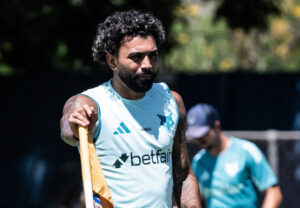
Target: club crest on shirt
(232, 168)
(166, 121)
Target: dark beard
(134, 82)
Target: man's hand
(83, 115)
(78, 110)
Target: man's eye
(153, 55)
(136, 58)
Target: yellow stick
(85, 167)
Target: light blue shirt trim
(99, 117)
(169, 91)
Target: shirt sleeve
(196, 165)
(261, 172)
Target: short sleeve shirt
(235, 177)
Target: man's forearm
(66, 132)
(273, 197)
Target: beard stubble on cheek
(137, 82)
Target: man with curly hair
(138, 126)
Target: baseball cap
(200, 118)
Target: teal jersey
(235, 177)
(134, 143)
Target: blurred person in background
(231, 172)
(138, 126)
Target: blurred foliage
(50, 36)
(210, 39)
(247, 14)
(203, 35)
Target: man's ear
(111, 61)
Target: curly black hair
(130, 23)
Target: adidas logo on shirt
(122, 129)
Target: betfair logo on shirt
(121, 160)
(122, 129)
(154, 157)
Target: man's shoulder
(160, 86)
(162, 89)
(239, 141)
(250, 148)
(200, 155)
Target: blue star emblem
(166, 121)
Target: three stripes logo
(122, 129)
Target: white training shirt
(134, 144)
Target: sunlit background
(242, 56)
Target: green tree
(211, 38)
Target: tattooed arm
(186, 189)
(78, 110)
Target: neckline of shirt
(142, 99)
(223, 152)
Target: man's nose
(146, 63)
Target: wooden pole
(85, 167)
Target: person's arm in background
(186, 190)
(273, 197)
(78, 110)
(263, 176)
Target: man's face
(137, 63)
(209, 140)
